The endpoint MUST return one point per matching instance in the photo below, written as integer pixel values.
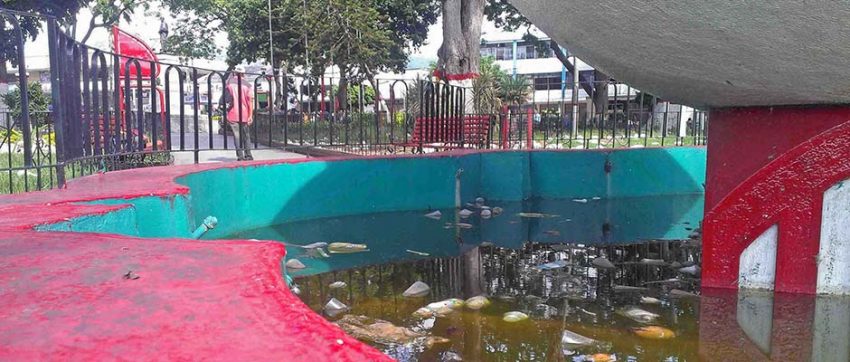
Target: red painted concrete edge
(788, 191)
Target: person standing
(238, 102)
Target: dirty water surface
(545, 280)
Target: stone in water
(479, 201)
(497, 211)
(464, 213)
(346, 248)
(337, 285)
(452, 303)
(477, 302)
(417, 289)
(514, 316)
(335, 308)
(295, 264)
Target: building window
(547, 81)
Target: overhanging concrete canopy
(710, 53)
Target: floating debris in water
(558, 264)
(654, 332)
(460, 225)
(436, 215)
(596, 198)
(452, 303)
(130, 275)
(665, 281)
(477, 302)
(682, 294)
(376, 330)
(417, 289)
(346, 248)
(535, 215)
(423, 312)
(564, 220)
(497, 211)
(337, 285)
(433, 340)
(514, 316)
(334, 307)
(464, 213)
(600, 357)
(653, 262)
(602, 263)
(420, 253)
(580, 201)
(295, 264)
(650, 300)
(573, 339)
(486, 244)
(585, 311)
(449, 356)
(552, 232)
(486, 214)
(692, 270)
(638, 315)
(628, 288)
(313, 245)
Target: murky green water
(501, 257)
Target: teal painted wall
(252, 197)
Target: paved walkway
(218, 153)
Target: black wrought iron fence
(120, 109)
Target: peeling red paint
(787, 190)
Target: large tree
(459, 55)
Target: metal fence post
(58, 114)
(24, 91)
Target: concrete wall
(250, 197)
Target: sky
(145, 25)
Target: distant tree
(486, 87)
(106, 13)
(64, 10)
(38, 103)
(514, 91)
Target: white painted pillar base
(834, 253)
(757, 265)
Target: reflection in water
(761, 326)
(499, 257)
(576, 297)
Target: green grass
(14, 178)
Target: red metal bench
(472, 131)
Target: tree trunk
(459, 55)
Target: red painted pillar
(770, 166)
(505, 127)
(529, 135)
